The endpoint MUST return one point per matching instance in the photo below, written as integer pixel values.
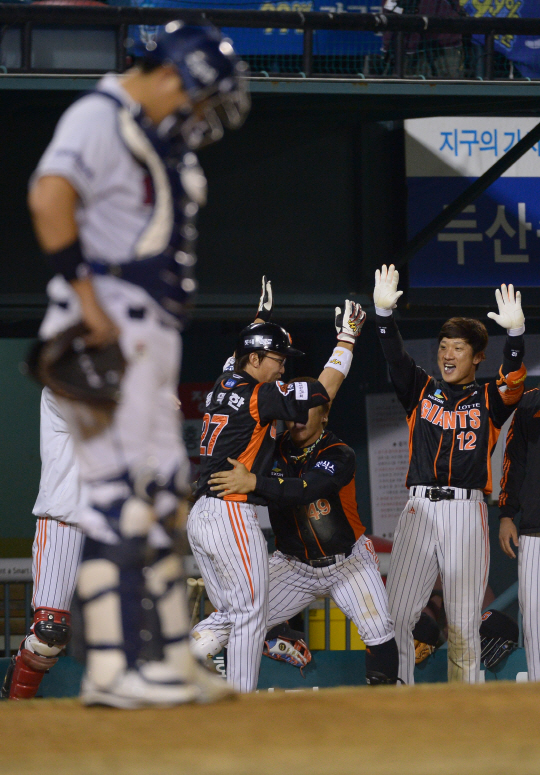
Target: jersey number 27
(220, 421)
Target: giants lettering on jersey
(467, 417)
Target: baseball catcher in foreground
(454, 423)
(224, 533)
(113, 201)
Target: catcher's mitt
(287, 645)
(427, 637)
(73, 371)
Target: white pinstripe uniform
(232, 554)
(529, 600)
(354, 583)
(450, 537)
(58, 541)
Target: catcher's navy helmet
(265, 336)
(212, 76)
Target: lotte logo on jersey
(461, 418)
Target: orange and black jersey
(453, 429)
(312, 498)
(240, 422)
(520, 483)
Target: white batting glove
(349, 322)
(229, 364)
(266, 304)
(386, 294)
(510, 314)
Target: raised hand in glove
(266, 304)
(349, 322)
(386, 294)
(510, 314)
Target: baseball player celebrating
(113, 200)
(56, 555)
(224, 534)
(321, 546)
(454, 424)
(520, 495)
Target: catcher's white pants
(232, 555)
(56, 554)
(450, 537)
(529, 600)
(354, 584)
(145, 433)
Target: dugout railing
(16, 612)
(27, 30)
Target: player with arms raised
(454, 423)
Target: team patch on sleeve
(230, 383)
(284, 387)
(328, 466)
(301, 391)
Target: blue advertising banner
(524, 50)
(494, 240)
(276, 41)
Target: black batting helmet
(265, 336)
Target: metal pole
(347, 634)
(7, 623)
(306, 626)
(27, 605)
(400, 53)
(327, 624)
(489, 43)
(121, 34)
(26, 47)
(467, 197)
(307, 52)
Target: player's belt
(441, 493)
(324, 562)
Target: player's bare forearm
(507, 534)
(332, 379)
(53, 203)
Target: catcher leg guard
(165, 588)
(38, 653)
(98, 588)
(382, 663)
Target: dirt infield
(424, 730)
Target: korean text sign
(497, 238)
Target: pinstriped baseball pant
(56, 554)
(529, 600)
(232, 555)
(354, 584)
(450, 537)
